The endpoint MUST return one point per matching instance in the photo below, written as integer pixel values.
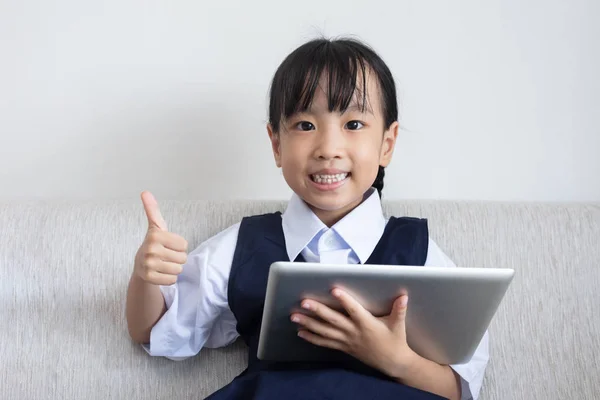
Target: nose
(330, 143)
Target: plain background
(499, 99)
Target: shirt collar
(300, 225)
(361, 229)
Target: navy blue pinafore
(260, 243)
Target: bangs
(342, 65)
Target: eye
(305, 126)
(354, 125)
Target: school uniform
(219, 297)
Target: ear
(275, 145)
(388, 144)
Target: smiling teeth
(329, 178)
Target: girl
(333, 126)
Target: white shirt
(198, 312)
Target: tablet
(449, 309)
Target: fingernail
(301, 334)
(306, 306)
(295, 318)
(336, 293)
(404, 301)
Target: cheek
(367, 151)
(291, 154)
(366, 157)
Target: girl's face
(330, 159)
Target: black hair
(345, 61)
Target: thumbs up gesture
(160, 257)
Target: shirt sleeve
(471, 373)
(198, 313)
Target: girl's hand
(378, 342)
(161, 256)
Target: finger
(156, 265)
(169, 240)
(321, 341)
(320, 328)
(177, 257)
(354, 309)
(157, 251)
(335, 318)
(161, 279)
(399, 312)
(155, 218)
(169, 268)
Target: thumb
(399, 312)
(155, 218)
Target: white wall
(500, 99)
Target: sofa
(65, 265)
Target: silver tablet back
(449, 309)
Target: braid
(378, 184)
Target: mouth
(328, 179)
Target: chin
(332, 203)
(346, 197)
